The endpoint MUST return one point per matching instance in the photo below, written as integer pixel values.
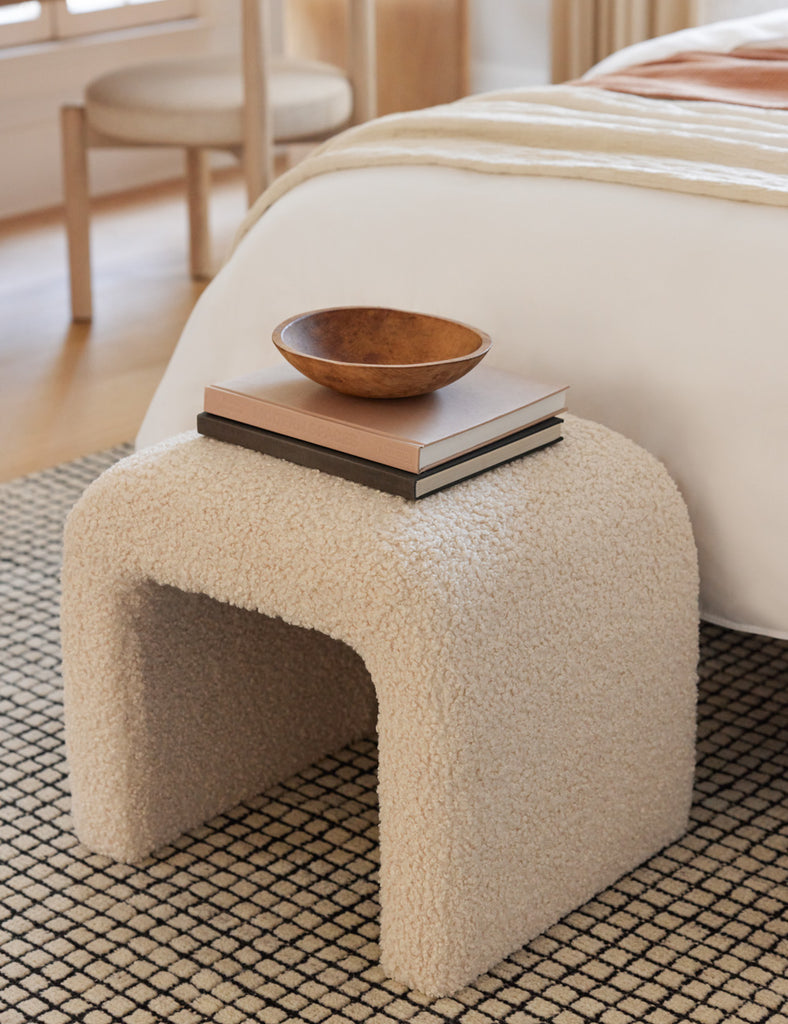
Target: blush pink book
(407, 433)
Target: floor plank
(70, 389)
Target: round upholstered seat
(198, 101)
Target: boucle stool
(525, 641)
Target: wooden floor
(67, 390)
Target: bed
(634, 247)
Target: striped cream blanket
(572, 131)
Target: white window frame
(55, 21)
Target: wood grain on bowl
(375, 352)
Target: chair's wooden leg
(258, 140)
(362, 59)
(77, 209)
(198, 181)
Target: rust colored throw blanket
(753, 76)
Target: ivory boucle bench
(525, 644)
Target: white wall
(721, 10)
(510, 43)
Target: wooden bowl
(379, 353)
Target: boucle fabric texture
(527, 639)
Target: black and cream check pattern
(269, 912)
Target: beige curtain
(585, 31)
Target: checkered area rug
(269, 912)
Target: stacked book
(406, 446)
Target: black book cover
(376, 474)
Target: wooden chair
(243, 105)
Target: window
(32, 21)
